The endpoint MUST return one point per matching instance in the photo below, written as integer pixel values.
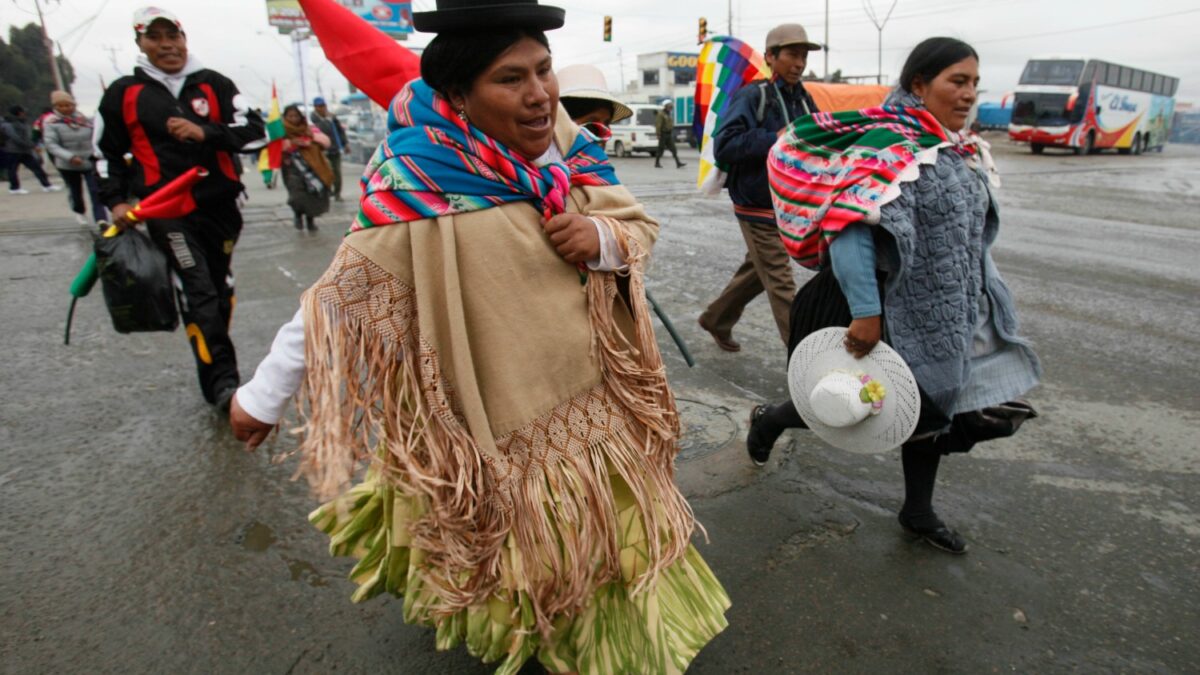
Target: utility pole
(58, 78)
(621, 66)
(730, 7)
(300, 39)
(874, 17)
(826, 50)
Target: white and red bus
(1088, 105)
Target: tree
(25, 76)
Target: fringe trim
(373, 384)
(363, 390)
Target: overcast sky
(232, 36)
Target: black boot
(767, 423)
(312, 227)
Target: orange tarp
(838, 97)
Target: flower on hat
(873, 392)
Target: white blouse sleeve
(611, 259)
(278, 377)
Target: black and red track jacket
(132, 120)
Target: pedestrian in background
(306, 171)
(172, 115)
(758, 113)
(67, 134)
(906, 255)
(20, 149)
(664, 126)
(331, 126)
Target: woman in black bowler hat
(482, 342)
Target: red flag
(173, 200)
(371, 60)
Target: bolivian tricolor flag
(271, 157)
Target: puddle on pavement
(256, 537)
(303, 570)
(706, 429)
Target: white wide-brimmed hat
(865, 405)
(584, 81)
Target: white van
(635, 134)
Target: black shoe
(680, 165)
(658, 166)
(224, 397)
(937, 535)
(298, 222)
(312, 227)
(758, 440)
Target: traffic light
(608, 29)
(703, 31)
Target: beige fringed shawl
(505, 394)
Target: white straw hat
(834, 392)
(584, 81)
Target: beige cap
(790, 34)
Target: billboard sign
(389, 16)
(286, 15)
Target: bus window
(1158, 84)
(1137, 80)
(1114, 76)
(1174, 84)
(1088, 73)
(1052, 72)
(1126, 77)
(1101, 72)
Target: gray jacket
(18, 137)
(65, 139)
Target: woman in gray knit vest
(919, 273)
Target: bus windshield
(1052, 72)
(1043, 110)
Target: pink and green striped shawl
(833, 169)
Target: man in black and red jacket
(173, 114)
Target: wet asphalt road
(137, 536)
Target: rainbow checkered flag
(725, 65)
(271, 158)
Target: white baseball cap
(145, 16)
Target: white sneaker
(18, 191)
(51, 188)
(82, 219)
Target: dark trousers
(76, 180)
(666, 142)
(30, 160)
(335, 163)
(200, 248)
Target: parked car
(635, 134)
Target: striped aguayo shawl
(833, 169)
(434, 164)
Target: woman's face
(515, 100)
(293, 117)
(65, 108)
(951, 94)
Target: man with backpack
(758, 114)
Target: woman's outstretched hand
(862, 335)
(247, 428)
(574, 237)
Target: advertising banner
(389, 16)
(285, 15)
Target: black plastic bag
(136, 278)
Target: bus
(1088, 105)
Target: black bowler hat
(460, 15)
